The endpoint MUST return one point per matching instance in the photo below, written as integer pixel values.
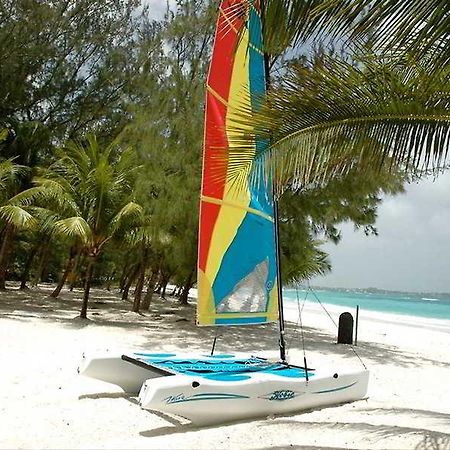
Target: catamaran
(238, 270)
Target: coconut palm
(331, 117)
(90, 187)
(39, 239)
(12, 215)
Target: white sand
(44, 404)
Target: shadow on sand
(168, 320)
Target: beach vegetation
(101, 130)
(90, 189)
(12, 216)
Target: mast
(281, 341)
(281, 327)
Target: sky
(412, 250)
(157, 8)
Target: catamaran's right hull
(205, 401)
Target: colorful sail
(237, 266)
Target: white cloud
(412, 251)
(157, 8)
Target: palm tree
(90, 187)
(39, 240)
(335, 115)
(12, 215)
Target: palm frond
(4, 133)
(74, 227)
(130, 214)
(45, 219)
(11, 173)
(17, 216)
(413, 26)
(47, 192)
(325, 120)
(90, 186)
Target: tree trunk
(43, 272)
(163, 282)
(150, 288)
(73, 274)
(187, 285)
(129, 282)
(126, 274)
(87, 288)
(43, 252)
(124, 277)
(163, 290)
(110, 280)
(68, 269)
(26, 269)
(138, 289)
(4, 253)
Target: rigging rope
(301, 328)
(320, 303)
(310, 289)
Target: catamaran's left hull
(206, 402)
(114, 370)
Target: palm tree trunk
(73, 275)
(41, 254)
(87, 287)
(68, 269)
(28, 264)
(43, 269)
(124, 277)
(4, 253)
(186, 287)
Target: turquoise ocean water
(436, 306)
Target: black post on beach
(356, 325)
(281, 327)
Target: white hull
(263, 395)
(112, 369)
(206, 401)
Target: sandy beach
(45, 404)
